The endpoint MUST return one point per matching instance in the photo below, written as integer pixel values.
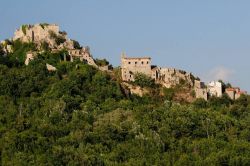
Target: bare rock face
(50, 67)
(136, 90)
(40, 33)
(29, 57)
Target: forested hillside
(78, 115)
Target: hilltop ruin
(167, 77)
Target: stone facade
(170, 77)
(215, 89)
(200, 90)
(82, 54)
(234, 93)
(238, 94)
(166, 76)
(131, 66)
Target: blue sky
(211, 38)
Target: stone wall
(215, 89)
(131, 66)
(200, 90)
(171, 77)
(36, 33)
(82, 54)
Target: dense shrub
(78, 115)
(143, 80)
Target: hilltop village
(49, 36)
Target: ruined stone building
(200, 90)
(82, 54)
(171, 76)
(131, 66)
(234, 93)
(36, 33)
(166, 76)
(50, 33)
(39, 33)
(214, 88)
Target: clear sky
(209, 38)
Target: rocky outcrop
(29, 57)
(50, 67)
(134, 89)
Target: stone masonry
(166, 76)
(131, 66)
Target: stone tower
(130, 66)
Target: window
(135, 62)
(147, 62)
(128, 62)
(142, 62)
(130, 76)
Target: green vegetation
(143, 80)
(58, 38)
(101, 62)
(45, 46)
(1, 50)
(81, 116)
(19, 51)
(76, 45)
(43, 25)
(169, 93)
(24, 27)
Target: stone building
(166, 76)
(234, 93)
(215, 88)
(82, 54)
(170, 77)
(238, 94)
(130, 66)
(200, 90)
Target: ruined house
(82, 54)
(55, 39)
(214, 88)
(200, 90)
(131, 66)
(166, 76)
(234, 93)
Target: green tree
(143, 80)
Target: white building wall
(215, 89)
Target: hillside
(80, 115)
